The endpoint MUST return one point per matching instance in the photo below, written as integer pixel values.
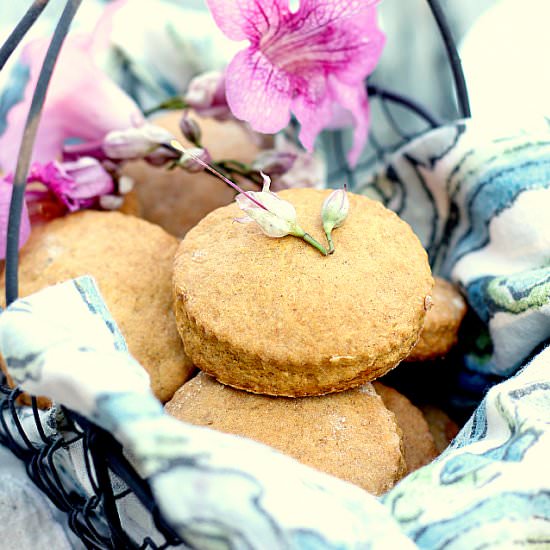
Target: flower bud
(135, 142)
(274, 163)
(194, 159)
(334, 213)
(206, 95)
(190, 129)
(275, 216)
(335, 209)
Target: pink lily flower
(53, 189)
(75, 185)
(82, 101)
(309, 62)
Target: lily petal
(258, 92)
(243, 19)
(304, 61)
(314, 111)
(81, 103)
(355, 100)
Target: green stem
(330, 243)
(172, 104)
(316, 244)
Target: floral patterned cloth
(480, 205)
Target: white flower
(277, 219)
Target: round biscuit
(350, 435)
(443, 319)
(418, 443)
(131, 261)
(274, 316)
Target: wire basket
(50, 443)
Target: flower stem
(175, 145)
(328, 233)
(170, 104)
(316, 244)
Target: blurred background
(159, 45)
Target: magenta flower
(82, 102)
(76, 185)
(309, 62)
(54, 189)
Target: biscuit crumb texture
(350, 435)
(274, 316)
(443, 319)
(131, 261)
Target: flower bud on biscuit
(334, 213)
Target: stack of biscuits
(288, 342)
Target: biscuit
(418, 443)
(131, 204)
(440, 332)
(274, 316)
(350, 435)
(131, 260)
(443, 429)
(175, 199)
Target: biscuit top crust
(282, 300)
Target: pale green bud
(334, 213)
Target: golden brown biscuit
(274, 316)
(418, 443)
(131, 204)
(443, 429)
(440, 332)
(177, 200)
(350, 435)
(131, 261)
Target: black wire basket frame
(95, 518)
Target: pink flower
(76, 185)
(206, 96)
(306, 62)
(82, 102)
(52, 190)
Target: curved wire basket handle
(29, 135)
(454, 58)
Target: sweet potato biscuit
(176, 200)
(131, 261)
(440, 332)
(418, 443)
(350, 435)
(443, 429)
(274, 316)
